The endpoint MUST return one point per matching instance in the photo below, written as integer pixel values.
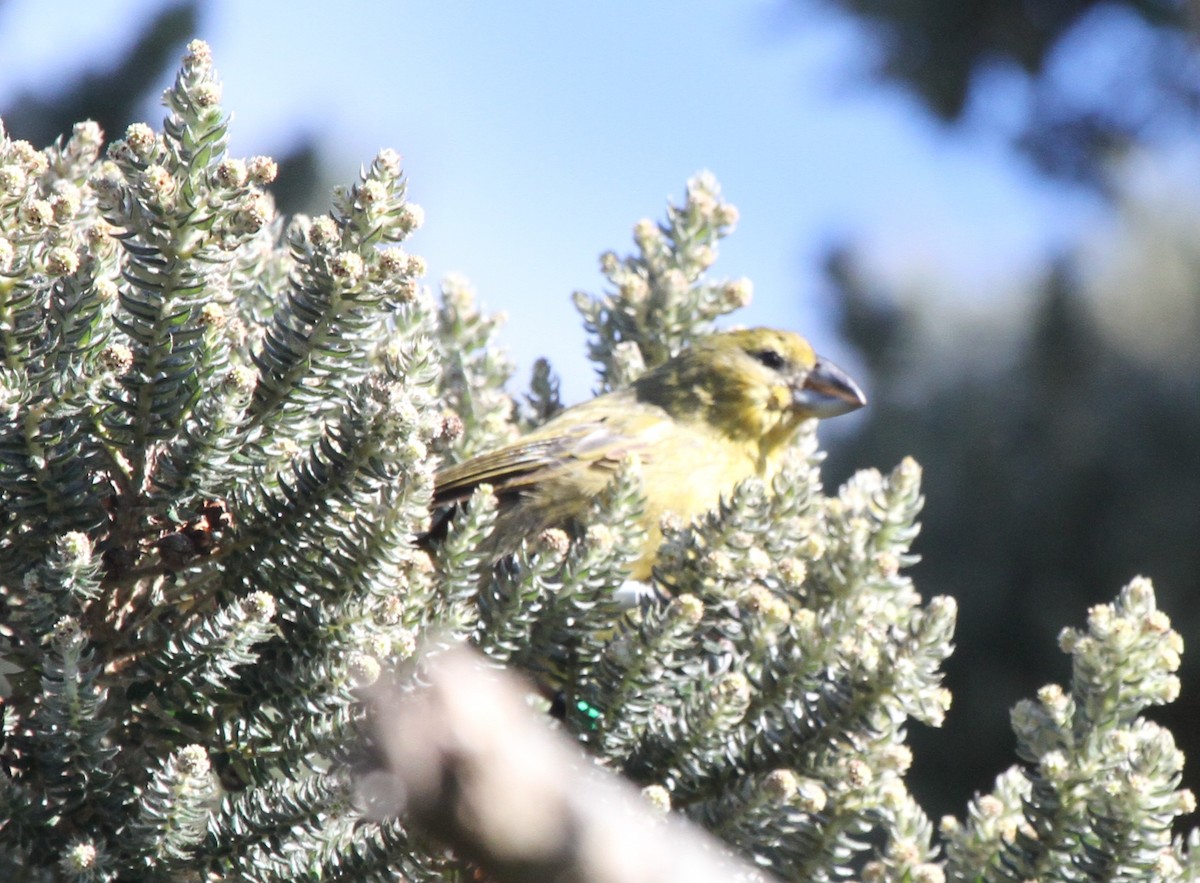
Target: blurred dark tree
(115, 91)
(1079, 114)
(1060, 468)
(113, 94)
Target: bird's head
(757, 383)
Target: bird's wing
(599, 444)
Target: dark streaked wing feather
(528, 460)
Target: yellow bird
(719, 412)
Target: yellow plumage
(719, 412)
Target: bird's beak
(828, 391)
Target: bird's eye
(770, 358)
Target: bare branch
(473, 765)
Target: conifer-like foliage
(218, 436)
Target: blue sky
(535, 134)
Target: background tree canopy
(943, 52)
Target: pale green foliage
(660, 298)
(475, 371)
(1100, 789)
(217, 443)
(218, 437)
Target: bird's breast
(690, 478)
